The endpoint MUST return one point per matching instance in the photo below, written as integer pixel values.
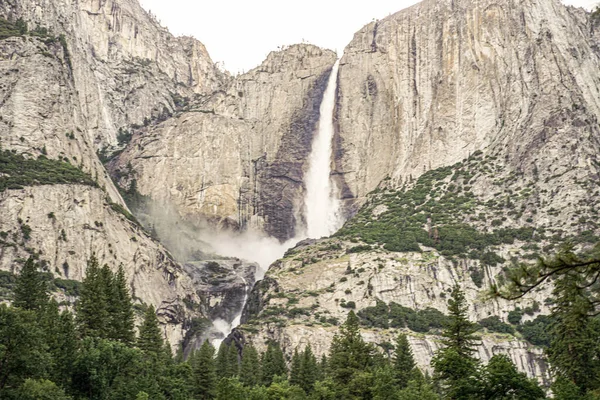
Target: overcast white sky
(241, 33)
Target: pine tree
(233, 361)
(403, 361)
(349, 353)
(456, 370)
(295, 368)
(31, 291)
(273, 363)
(150, 339)
(61, 340)
(502, 381)
(121, 309)
(308, 370)
(322, 368)
(222, 361)
(460, 332)
(92, 314)
(250, 370)
(573, 351)
(205, 376)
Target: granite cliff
(467, 140)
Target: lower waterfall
(321, 214)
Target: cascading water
(322, 204)
(321, 211)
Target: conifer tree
(574, 352)
(403, 362)
(222, 361)
(308, 370)
(349, 354)
(205, 376)
(121, 309)
(501, 380)
(92, 308)
(61, 340)
(250, 369)
(322, 368)
(273, 363)
(150, 339)
(295, 368)
(31, 291)
(233, 361)
(456, 370)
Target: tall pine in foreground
(92, 308)
(403, 362)
(273, 363)
(31, 291)
(121, 309)
(150, 339)
(351, 360)
(455, 368)
(204, 372)
(250, 369)
(574, 353)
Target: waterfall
(321, 211)
(322, 204)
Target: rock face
(312, 289)
(430, 85)
(69, 223)
(125, 66)
(237, 158)
(65, 97)
(500, 103)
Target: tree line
(96, 353)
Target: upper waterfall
(321, 204)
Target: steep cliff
(82, 71)
(236, 158)
(125, 66)
(467, 131)
(434, 83)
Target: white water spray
(322, 205)
(322, 209)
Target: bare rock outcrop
(237, 158)
(430, 85)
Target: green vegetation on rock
(17, 171)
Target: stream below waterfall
(321, 211)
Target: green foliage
(105, 309)
(515, 316)
(537, 332)
(31, 290)
(359, 249)
(41, 389)
(350, 357)
(574, 352)
(10, 29)
(396, 316)
(273, 363)
(150, 339)
(455, 368)
(250, 368)
(502, 381)
(495, 324)
(205, 375)
(403, 362)
(120, 309)
(22, 347)
(421, 214)
(16, 171)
